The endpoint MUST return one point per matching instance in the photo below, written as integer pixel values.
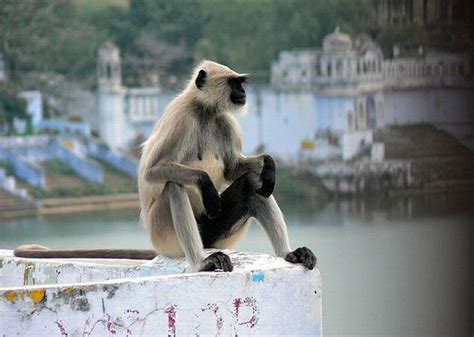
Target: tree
(46, 36)
(12, 106)
(248, 34)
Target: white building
(322, 103)
(34, 106)
(352, 89)
(121, 111)
(344, 81)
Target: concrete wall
(112, 124)
(34, 106)
(9, 184)
(351, 142)
(279, 121)
(450, 109)
(262, 296)
(61, 126)
(332, 112)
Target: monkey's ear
(244, 77)
(201, 79)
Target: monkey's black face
(237, 93)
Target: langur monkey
(197, 190)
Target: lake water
(394, 267)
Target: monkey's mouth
(238, 100)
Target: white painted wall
(263, 296)
(351, 142)
(286, 119)
(111, 119)
(34, 106)
(450, 109)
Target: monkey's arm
(187, 176)
(262, 165)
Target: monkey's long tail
(41, 252)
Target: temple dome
(337, 42)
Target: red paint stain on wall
(248, 302)
(215, 309)
(111, 326)
(61, 328)
(171, 311)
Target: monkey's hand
(267, 177)
(217, 261)
(302, 255)
(210, 196)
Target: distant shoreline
(88, 203)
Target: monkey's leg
(267, 212)
(188, 234)
(234, 211)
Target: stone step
(10, 202)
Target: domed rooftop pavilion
(337, 42)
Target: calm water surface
(396, 267)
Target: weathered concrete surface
(264, 295)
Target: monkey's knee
(248, 184)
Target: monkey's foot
(215, 261)
(302, 255)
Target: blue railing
(117, 160)
(24, 169)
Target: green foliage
(46, 36)
(114, 182)
(248, 34)
(411, 35)
(11, 106)
(166, 37)
(7, 167)
(58, 167)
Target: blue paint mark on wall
(258, 277)
(144, 272)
